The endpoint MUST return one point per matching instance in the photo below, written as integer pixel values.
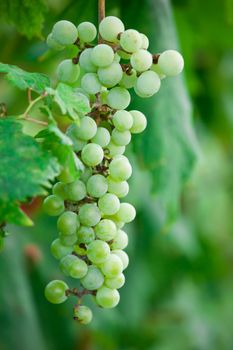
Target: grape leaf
(26, 15)
(29, 170)
(25, 80)
(69, 101)
(168, 147)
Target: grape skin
(55, 292)
(118, 98)
(131, 40)
(110, 27)
(102, 55)
(147, 84)
(90, 83)
(53, 44)
(83, 314)
(121, 138)
(87, 31)
(107, 298)
(97, 185)
(139, 122)
(171, 62)
(64, 32)
(102, 137)
(109, 204)
(92, 154)
(67, 72)
(93, 279)
(86, 62)
(122, 120)
(53, 205)
(98, 251)
(111, 75)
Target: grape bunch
(91, 209)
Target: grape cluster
(91, 239)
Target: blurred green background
(179, 289)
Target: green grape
(110, 27)
(118, 98)
(78, 268)
(92, 154)
(156, 68)
(129, 79)
(116, 282)
(89, 214)
(117, 58)
(122, 120)
(78, 144)
(120, 241)
(87, 128)
(145, 41)
(98, 251)
(126, 213)
(85, 234)
(102, 55)
(131, 40)
(65, 33)
(93, 279)
(97, 185)
(55, 292)
(121, 138)
(68, 223)
(53, 44)
(119, 224)
(80, 250)
(87, 31)
(171, 62)
(120, 168)
(120, 189)
(68, 72)
(123, 256)
(102, 137)
(141, 60)
(111, 75)
(114, 150)
(90, 83)
(68, 240)
(109, 204)
(58, 250)
(86, 62)
(123, 54)
(76, 191)
(103, 96)
(65, 175)
(107, 298)
(86, 174)
(112, 267)
(139, 122)
(147, 84)
(106, 230)
(66, 262)
(83, 314)
(53, 205)
(59, 190)
(79, 91)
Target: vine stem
(101, 15)
(25, 115)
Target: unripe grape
(129, 79)
(87, 31)
(116, 282)
(112, 267)
(53, 44)
(68, 72)
(86, 174)
(123, 256)
(93, 279)
(80, 250)
(90, 83)
(75, 191)
(156, 68)
(120, 168)
(66, 176)
(111, 75)
(115, 150)
(117, 58)
(92, 154)
(120, 189)
(102, 55)
(55, 292)
(121, 138)
(122, 120)
(141, 60)
(83, 314)
(120, 241)
(68, 240)
(68, 223)
(85, 234)
(59, 190)
(171, 62)
(131, 40)
(87, 128)
(107, 298)
(98, 251)
(145, 41)
(118, 98)
(110, 27)
(126, 213)
(147, 84)
(53, 205)
(97, 185)
(109, 204)
(58, 250)
(78, 268)
(102, 137)
(89, 214)
(105, 230)
(66, 262)
(86, 62)
(65, 32)
(139, 122)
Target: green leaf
(70, 102)
(27, 16)
(26, 170)
(25, 80)
(168, 147)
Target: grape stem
(101, 15)
(26, 116)
(79, 294)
